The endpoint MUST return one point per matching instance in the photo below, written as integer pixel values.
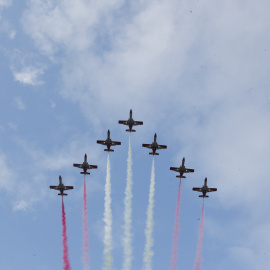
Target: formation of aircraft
(85, 166)
(204, 189)
(61, 187)
(154, 146)
(130, 123)
(182, 169)
(108, 142)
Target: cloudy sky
(196, 72)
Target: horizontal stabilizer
(132, 130)
(110, 150)
(64, 194)
(205, 196)
(156, 154)
(181, 176)
(84, 173)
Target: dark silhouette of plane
(61, 187)
(204, 189)
(108, 142)
(154, 146)
(85, 166)
(182, 169)
(130, 123)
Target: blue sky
(196, 73)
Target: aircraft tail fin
(180, 176)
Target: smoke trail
(148, 252)
(108, 259)
(85, 231)
(64, 235)
(199, 246)
(176, 231)
(128, 213)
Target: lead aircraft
(108, 142)
(130, 123)
(85, 166)
(61, 187)
(182, 169)
(154, 146)
(204, 189)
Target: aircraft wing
(162, 146)
(174, 169)
(92, 167)
(122, 122)
(54, 187)
(101, 142)
(197, 189)
(212, 189)
(68, 187)
(77, 165)
(116, 143)
(147, 145)
(137, 123)
(189, 170)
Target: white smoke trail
(148, 252)
(85, 259)
(108, 259)
(128, 213)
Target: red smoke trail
(176, 231)
(199, 246)
(85, 231)
(64, 235)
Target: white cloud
(7, 28)
(22, 205)
(26, 68)
(62, 24)
(163, 59)
(19, 104)
(4, 24)
(29, 75)
(6, 175)
(5, 3)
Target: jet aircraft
(204, 189)
(182, 169)
(61, 187)
(108, 142)
(130, 123)
(154, 146)
(85, 166)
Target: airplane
(61, 187)
(130, 123)
(182, 169)
(154, 146)
(108, 142)
(85, 166)
(204, 189)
